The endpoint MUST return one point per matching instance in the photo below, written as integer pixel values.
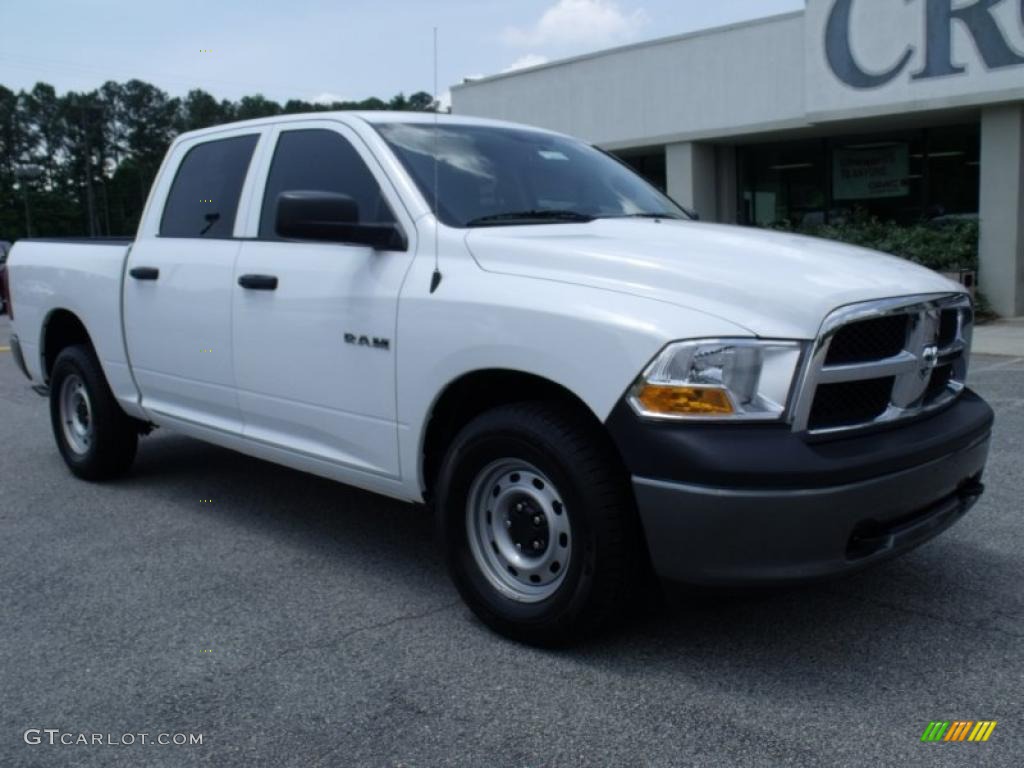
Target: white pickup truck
(509, 325)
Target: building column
(1001, 275)
(691, 178)
(728, 183)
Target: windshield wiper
(671, 216)
(527, 217)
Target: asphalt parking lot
(295, 622)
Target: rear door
(315, 355)
(179, 285)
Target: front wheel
(94, 436)
(539, 528)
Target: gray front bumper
(707, 535)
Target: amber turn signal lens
(691, 401)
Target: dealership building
(908, 109)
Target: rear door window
(323, 161)
(203, 200)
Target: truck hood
(776, 285)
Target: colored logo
(958, 730)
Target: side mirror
(330, 217)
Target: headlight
(722, 379)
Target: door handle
(144, 273)
(258, 282)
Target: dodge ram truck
(586, 385)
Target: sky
(320, 50)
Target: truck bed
(79, 275)
(120, 240)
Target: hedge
(944, 246)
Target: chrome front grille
(883, 361)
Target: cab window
(324, 161)
(203, 200)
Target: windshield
(489, 176)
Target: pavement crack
(345, 635)
(981, 624)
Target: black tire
(114, 437)
(604, 564)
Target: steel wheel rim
(76, 414)
(511, 503)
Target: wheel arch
(62, 328)
(471, 394)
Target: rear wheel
(95, 437)
(538, 523)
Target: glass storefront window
(882, 176)
(906, 176)
(954, 172)
(649, 164)
(783, 183)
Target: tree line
(80, 164)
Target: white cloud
(328, 98)
(571, 23)
(529, 60)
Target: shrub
(944, 246)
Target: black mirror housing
(331, 217)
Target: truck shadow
(359, 529)
(877, 633)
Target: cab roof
(370, 117)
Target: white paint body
(586, 306)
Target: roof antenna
(435, 279)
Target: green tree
(295, 106)
(100, 150)
(12, 147)
(85, 145)
(399, 103)
(44, 128)
(256, 106)
(422, 102)
(201, 110)
(149, 117)
(371, 104)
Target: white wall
(732, 80)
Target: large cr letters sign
(940, 15)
